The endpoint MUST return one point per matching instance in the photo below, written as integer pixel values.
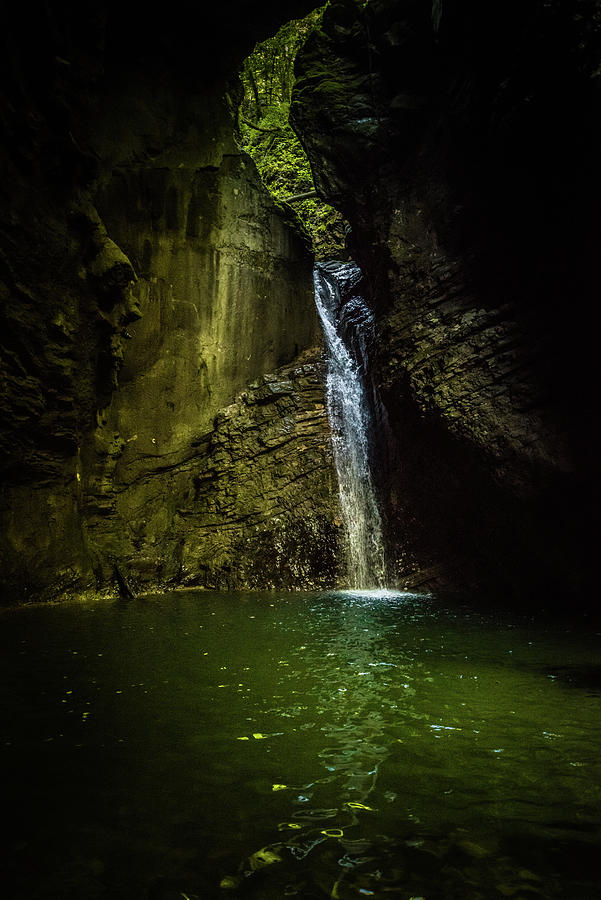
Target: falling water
(347, 327)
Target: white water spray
(350, 419)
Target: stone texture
(124, 195)
(225, 292)
(250, 503)
(465, 158)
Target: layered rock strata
(146, 277)
(250, 503)
(465, 158)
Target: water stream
(347, 325)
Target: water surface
(314, 745)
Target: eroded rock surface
(252, 502)
(146, 277)
(461, 142)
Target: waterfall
(348, 326)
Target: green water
(327, 745)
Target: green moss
(266, 133)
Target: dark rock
(465, 159)
(124, 195)
(265, 498)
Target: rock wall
(461, 142)
(146, 278)
(224, 289)
(264, 509)
(250, 503)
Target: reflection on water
(336, 745)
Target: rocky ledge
(465, 158)
(253, 503)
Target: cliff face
(461, 143)
(263, 511)
(147, 278)
(156, 415)
(249, 503)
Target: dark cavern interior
(300, 449)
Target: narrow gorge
(299, 449)
(163, 364)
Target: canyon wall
(461, 141)
(162, 385)
(148, 280)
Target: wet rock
(435, 138)
(145, 277)
(265, 500)
(252, 503)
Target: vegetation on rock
(266, 134)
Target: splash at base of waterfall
(347, 328)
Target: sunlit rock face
(264, 509)
(146, 278)
(461, 142)
(225, 295)
(250, 502)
